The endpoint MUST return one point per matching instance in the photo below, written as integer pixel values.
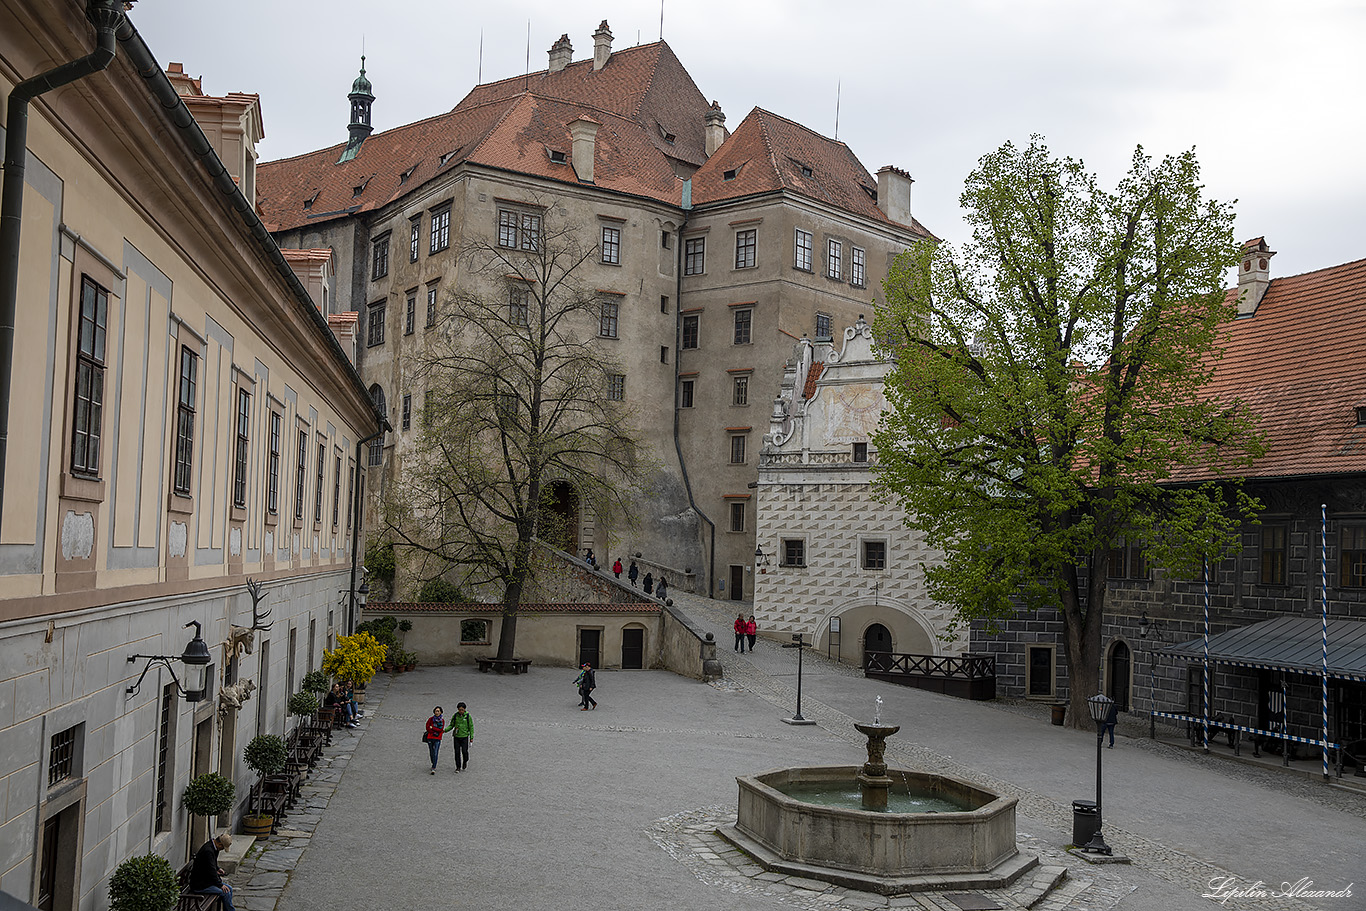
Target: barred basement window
(61, 756)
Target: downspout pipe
(107, 15)
(355, 541)
(678, 367)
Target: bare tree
(519, 396)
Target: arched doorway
(1117, 675)
(876, 638)
(560, 517)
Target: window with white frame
(607, 320)
(431, 306)
(441, 230)
(414, 238)
(746, 244)
(410, 314)
(857, 267)
(834, 259)
(611, 245)
(802, 260)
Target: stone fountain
(811, 822)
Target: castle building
(180, 420)
(715, 251)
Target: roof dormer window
(451, 154)
(729, 174)
(806, 171)
(403, 178)
(1361, 415)
(557, 156)
(360, 187)
(308, 203)
(665, 134)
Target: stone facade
(144, 505)
(859, 567)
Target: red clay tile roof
(1299, 362)
(769, 153)
(535, 607)
(812, 375)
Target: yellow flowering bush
(356, 658)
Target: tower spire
(359, 127)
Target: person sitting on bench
(206, 877)
(336, 701)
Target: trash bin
(1085, 821)
(1059, 713)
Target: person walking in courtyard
(588, 682)
(462, 735)
(649, 583)
(662, 592)
(436, 726)
(633, 573)
(1111, 719)
(751, 631)
(740, 627)
(616, 568)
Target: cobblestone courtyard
(615, 808)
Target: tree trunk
(1081, 640)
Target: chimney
(716, 128)
(561, 54)
(602, 46)
(583, 132)
(894, 194)
(1254, 275)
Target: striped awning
(1287, 644)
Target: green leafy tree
(521, 399)
(1046, 390)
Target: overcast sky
(1268, 93)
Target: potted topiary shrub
(265, 755)
(209, 795)
(315, 682)
(303, 704)
(144, 883)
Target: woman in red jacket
(751, 631)
(436, 726)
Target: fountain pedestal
(873, 782)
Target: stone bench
(503, 666)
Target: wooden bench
(503, 666)
(195, 901)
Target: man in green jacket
(462, 728)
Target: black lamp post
(800, 646)
(196, 660)
(1099, 707)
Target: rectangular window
(611, 246)
(1352, 572)
(823, 326)
(1273, 554)
(685, 394)
(745, 244)
(350, 499)
(165, 752)
(665, 240)
(376, 456)
(474, 631)
(184, 425)
(380, 254)
(860, 452)
(300, 472)
(519, 307)
(740, 392)
(336, 502)
(857, 267)
(431, 306)
(690, 324)
(407, 419)
(737, 517)
(518, 230)
(737, 449)
(61, 756)
(318, 491)
(663, 303)
(414, 238)
(694, 256)
(794, 552)
(607, 325)
(874, 554)
(1040, 671)
(834, 259)
(664, 354)
(1126, 561)
(803, 258)
(616, 387)
(743, 320)
(273, 481)
(239, 462)
(374, 334)
(88, 407)
(410, 314)
(441, 231)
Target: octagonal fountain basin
(809, 822)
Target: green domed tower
(359, 127)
